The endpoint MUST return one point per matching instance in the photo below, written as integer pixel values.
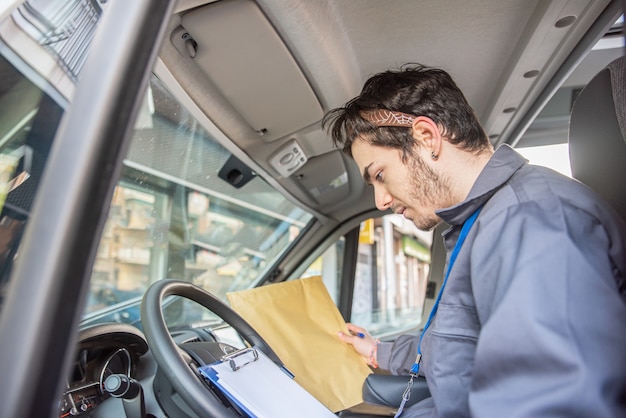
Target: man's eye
(379, 176)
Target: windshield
(185, 208)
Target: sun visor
(239, 50)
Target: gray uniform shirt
(531, 322)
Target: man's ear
(426, 132)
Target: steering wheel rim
(165, 351)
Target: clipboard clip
(232, 358)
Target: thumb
(346, 338)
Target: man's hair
(414, 89)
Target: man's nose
(382, 198)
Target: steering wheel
(186, 381)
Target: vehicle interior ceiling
(265, 72)
(519, 62)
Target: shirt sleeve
(553, 328)
(398, 356)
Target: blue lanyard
(455, 252)
(416, 366)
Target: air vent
(185, 337)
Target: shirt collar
(504, 162)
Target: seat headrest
(617, 69)
(597, 135)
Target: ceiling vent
(241, 53)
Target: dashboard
(121, 350)
(102, 351)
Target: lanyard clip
(416, 366)
(406, 395)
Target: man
(530, 320)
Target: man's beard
(428, 189)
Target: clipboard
(260, 388)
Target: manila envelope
(299, 320)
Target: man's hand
(362, 342)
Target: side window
(392, 267)
(28, 121)
(43, 45)
(329, 265)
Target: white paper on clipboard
(260, 388)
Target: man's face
(413, 189)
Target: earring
(433, 156)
